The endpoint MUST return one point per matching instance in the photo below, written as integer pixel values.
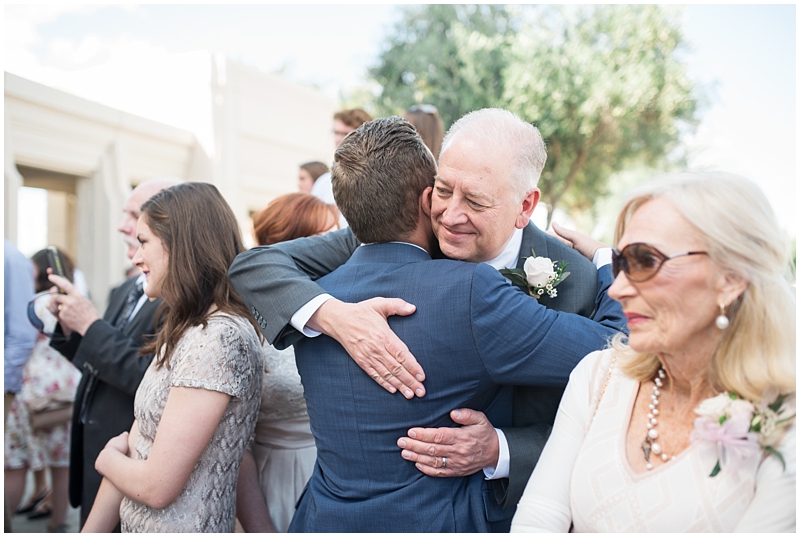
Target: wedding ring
(444, 462)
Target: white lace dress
(283, 447)
(583, 476)
(224, 356)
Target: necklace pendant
(647, 447)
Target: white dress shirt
(142, 278)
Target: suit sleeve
(109, 354)
(523, 343)
(275, 281)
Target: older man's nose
(125, 225)
(453, 214)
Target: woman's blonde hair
(756, 355)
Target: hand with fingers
(584, 244)
(75, 312)
(453, 451)
(119, 442)
(362, 329)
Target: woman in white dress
(687, 426)
(196, 406)
(283, 450)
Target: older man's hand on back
(453, 451)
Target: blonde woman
(689, 425)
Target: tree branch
(577, 164)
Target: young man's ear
(425, 201)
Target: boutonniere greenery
(538, 276)
(739, 429)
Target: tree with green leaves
(451, 56)
(606, 85)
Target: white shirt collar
(410, 244)
(510, 255)
(398, 242)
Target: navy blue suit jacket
(472, 332)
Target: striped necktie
(130, 304)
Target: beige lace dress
(224, 356)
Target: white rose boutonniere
(539, 271)
(538, 276)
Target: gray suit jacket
(534, 409)
(275, 279)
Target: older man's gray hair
(494, 130)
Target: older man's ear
(527, 206)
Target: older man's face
(474, 208)
(131, 213)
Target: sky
(743, 55)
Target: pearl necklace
(650, 443)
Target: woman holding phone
(198, 402)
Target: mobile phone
(54, 260)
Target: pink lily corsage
(738, 429)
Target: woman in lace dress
(197, 404)
(689, 425)
(283, 450)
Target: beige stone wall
(264, 128)
(90, 155)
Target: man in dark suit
(472, 332)
(484, 195)
(107, 353)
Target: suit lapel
(532, 237)
(145, 314)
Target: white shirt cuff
(301, 316)
(501, 470)
(602, 257)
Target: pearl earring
(722, 320)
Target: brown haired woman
(197, 404)
(283, 451)
(425, 118)
(308, 174)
